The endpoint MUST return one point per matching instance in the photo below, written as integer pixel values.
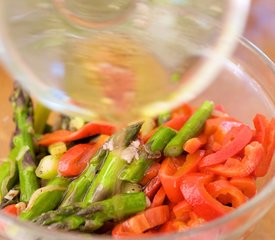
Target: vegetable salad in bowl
(169, 174)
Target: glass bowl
(40, 42)
(245, 87)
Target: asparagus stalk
(23, 143)
(46, 198)
(151, 151)
(160, 139)
(79, 187)
(89, 217)
(106, 182)
(189, 130)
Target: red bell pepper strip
(269, 148)
(204, 205)
(222, 124)
(241, 137)
(177, 225)
(90, 129)
(246, 184)
(152, 187)
(183, 110)
(173, 225)
(11, 210)
(172, 171)
(75, 160)
(226, 193)
(141, 222)
(158, 198)
(260, 124)
(194, 144)
(182, 210)
(234, 167)
(216, 130)
(219, 108)
(150, 173)
(175, 123)
(224, 128)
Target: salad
(169, 174)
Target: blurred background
(261, 26)
(261, 31)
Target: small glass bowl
(40, 42)
(245, 86)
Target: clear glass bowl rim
(267, 191)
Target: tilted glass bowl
(245, 87)
(66, 52)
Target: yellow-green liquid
(116, 78)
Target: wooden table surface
(261, 31)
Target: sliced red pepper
(204, 205)
(150, 173)
(226, 193)
(183, 110)
(11, 210)
(234, 167)
(246, 184)
(223, 124)
(173, 225)
(219, 108)
(240, 136)
(194, 144)
(152, 187)
(90, 129)
(177, 225)
(172, 171)
(75, 160)
(175, 123)
(260, 124)
(182, 210)
(269, 148)
(224, 129)
(138, 224)
(216, 129)
(158, 198)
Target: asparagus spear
(106, 181)
(160, 139)
(189, 130)
(23, 143)
(89, 217)
(152, 150)
(78, 187)
(46, 198)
